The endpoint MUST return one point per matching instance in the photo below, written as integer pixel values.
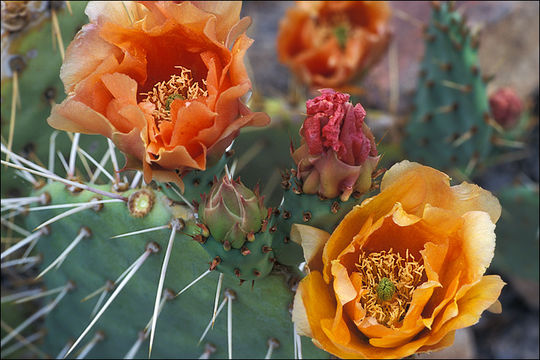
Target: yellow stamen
(388, 267)
(177, 87)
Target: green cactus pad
(255, 264)
(39, 84)
(450, 124)
(307, 209)
(196, 182)
(517, 249)
(259, 313)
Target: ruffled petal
(74, 116)
(126, 51)
(415, 185)
(227, 13)
(312, 241)
(84, 54)
(479, 298)
(478, 236)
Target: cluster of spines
(152, 247)
(451, 125)
(298, 207)
(252, 261)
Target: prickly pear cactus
(450, 126)
(301, 208)
(517, 255)
(235, 230)
(113, 283)
(256, 316)
(33, 52)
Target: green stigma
(341, 34)
(385, 289)
(171, 98)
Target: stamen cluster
(338, 25)
(177, 87)
(405, 273)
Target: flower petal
(85, 53)
(355, 221)
(479, 298)
(317, 301)
(343, 287)
(469, 197)
(111, 11)
(416, 185)
(312, 241)
(74, 116)
(299, 314)
(227, 13)
(478, 243)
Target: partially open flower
(506, 107)
(403, 271)
(163, 80)
(327, 43)
(338, 152)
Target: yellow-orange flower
(403, 270)
(327, 43)
(163, 80)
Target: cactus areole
(140, 202)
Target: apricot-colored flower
(327, 43)
(403, 270)
(338, 153)
(163, 80)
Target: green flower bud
(232, 212)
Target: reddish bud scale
(199, 238)
(204, 230)
(215, 262)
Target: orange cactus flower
(162, 80)
(327, 43)
(403, 271)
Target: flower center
(338, 26)
(180, 86)
(385, 289)
(388, 283)
(340, 32)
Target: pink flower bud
(338, 152)
(506, 107)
